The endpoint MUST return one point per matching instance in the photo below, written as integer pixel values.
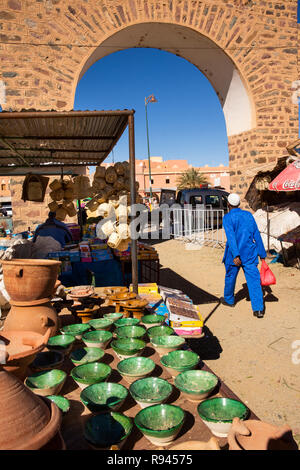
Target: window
(213, 201)
(167, 181)
(3, 187)
(196, 200)
(225, 202)
(152, 181)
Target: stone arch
(46, 44)
(199, 50)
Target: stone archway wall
(260, 38)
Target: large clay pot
(19, 349)
(27, 421)
(37, 318)
(258, 435)
(30, 279)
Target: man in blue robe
(244, 245)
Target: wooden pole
(134, 260)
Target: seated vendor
(53, 228)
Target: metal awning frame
(129, 121)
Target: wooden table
(193, 428)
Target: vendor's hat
(234, 199)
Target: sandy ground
(253, 356)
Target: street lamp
(150, 99)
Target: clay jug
(258, 435)
(27, 421)
(37, 318)
(30, 279)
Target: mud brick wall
(30, 214)
(260, 37)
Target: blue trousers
(253, 282)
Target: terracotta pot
(212, 444)
(258, 435)
(21, 347)
(27, 421)
(37, 318)
(30, 279)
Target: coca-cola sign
(291, 184)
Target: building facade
(165, 174)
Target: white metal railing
(203, 226)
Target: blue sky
(187, 122)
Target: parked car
(202, 198)
(209, 198)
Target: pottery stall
(86, 304)
(30, 284)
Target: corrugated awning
(39, 139)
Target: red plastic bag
(267, 278)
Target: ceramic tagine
(19, 348)
(258, 435)
(27, 421)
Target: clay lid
(30, 262)
(20, 344)
(23, 415)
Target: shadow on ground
(170, 278)
(208, 347)
(244, 294)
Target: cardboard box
(147, 288)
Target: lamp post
(150, 99)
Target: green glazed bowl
(128, 347)
(101, 324)
(114, 316)
(130, 332)
(108, 429)
(62, 343)
(218, 413)
(86, 355)
(150, 391)
(97, 339)
(62, 402)
(196, 385)
(47, 360)
(152, 320)
(127, 322)
(77, 329)
(165, 344)
(135, 368)
(48, 382)
(160, 423)
(89, 374)
(159, 331)
(179, 361)
(103, 397)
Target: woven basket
(92, 205)
(100, 172)
(53, 206)
(69, 194)
(106, 210)
(71, 210)
(119, 168)
(110, 175)
(61, 213)
(55, 184)
(57, 195)
(119, 184)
